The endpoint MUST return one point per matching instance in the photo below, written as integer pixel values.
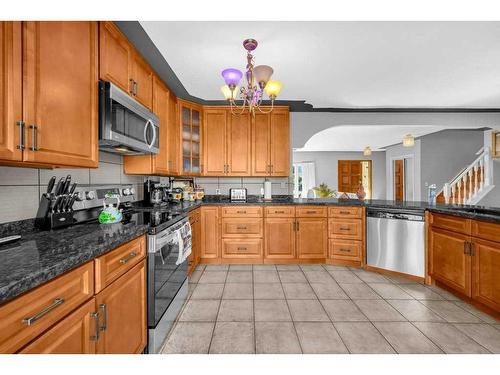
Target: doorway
(352, 174)
(402, 179)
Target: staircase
(472, 184)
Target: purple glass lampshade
(232, 76)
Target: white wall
(492, 199)
(326, 164)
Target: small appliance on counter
(238, 194)
(156, 192)
(110, 214)
(56, 204)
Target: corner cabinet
(59, 121)
(190, 125)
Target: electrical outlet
(217, 191)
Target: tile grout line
(218, 310)
(289, 311)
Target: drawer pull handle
(346, 229)
(242, 248)
(279, 212)
(345, 250)
(241, 227)
(241, 212)
(345, 212)
(31, 320)
(128, 258)
(95, 316)
(311, 212)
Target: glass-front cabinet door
(191, 138)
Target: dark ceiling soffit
(140, 39)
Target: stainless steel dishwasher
(395, 240)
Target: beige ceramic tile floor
(323, 309)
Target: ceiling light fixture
(408, 140)
(367, 151)
(258, 80)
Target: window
(304, 179)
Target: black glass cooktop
(158, 218)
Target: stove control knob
(89, 195)
(80, 196)
(126, 192)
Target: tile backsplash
(20, 188)
(280, 185)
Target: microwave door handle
(148, 123)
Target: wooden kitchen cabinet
(210, 233)
(123, 315)
(312, 238)
(279, 239)
(238, 145)
(194, 257)
(60, 93)
(11, 131)
(76, 334)
(448, 259)
(174, 136)
(271, 143)
(191, 137)
(121, 64)
(486, 275)
(214, 139)
(157, 164)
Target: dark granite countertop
(43, 255)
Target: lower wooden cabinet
(345, 249)
(279, 239)
(122, 314)
(76, 334)
(450, 263)
(486, 275)
(194, 257)
(312, 238)
(210, 233)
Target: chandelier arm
(270, 110)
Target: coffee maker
(156, 192)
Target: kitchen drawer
(44, 306)
(241, 248)
(345, 229)
(280, 211)
(345, 249)
(453, 223)
(241, 211)
(346, 212)
(242, 227)
(112, 265)
(487, 231)
(311, 211)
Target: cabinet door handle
(471, 248)
(272, 168)
(34, 145)
(465, 248)
(298, 226)
(32, 319)
(135, 88)
(128, 258)
(21, 124)
(95, 316)
(131, 90)
(104, 324)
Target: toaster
(238, 194)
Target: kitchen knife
(69, 206)
(59, 186)
(56, 203)
(50, 186)
(66, 184)
(72, 190)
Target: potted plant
(323, 191)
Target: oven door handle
(149, 123)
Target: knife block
(46, 219)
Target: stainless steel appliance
(126, 126)
(395, 240)
(167, 282)
(238, 194)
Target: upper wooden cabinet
(59, 122)
(271, 143)
(121, 64)
(190, 125)
(227, 142)
(10, 90)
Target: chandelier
(258, 81)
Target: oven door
(126, 126)
(165, 278)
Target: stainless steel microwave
(126, 126)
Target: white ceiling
(344, 64)
(357, 137)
